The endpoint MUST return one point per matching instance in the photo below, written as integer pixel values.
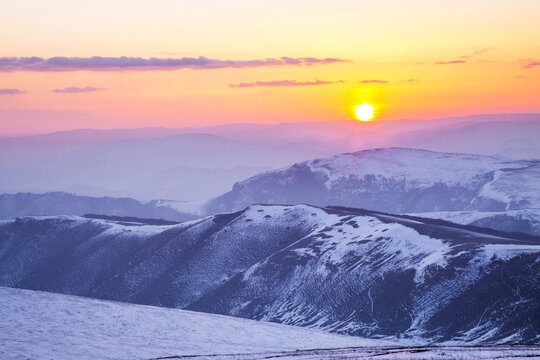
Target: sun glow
(364, 112)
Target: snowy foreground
(39, 325)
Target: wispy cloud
(98, 63)
(531, 63)
(475, 53)
(410, 80)
(375, 81)
(77, 89)
(450, 62)
(284, 83)
(12, 91)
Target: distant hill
(179, 167)
(58, 203)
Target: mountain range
(392, 244)
(349, 271)
(176, 164)
(488, 192)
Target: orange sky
(496, 42)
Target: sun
(364, 112)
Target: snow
(517, 186)
(132, 229)
(39, 325)
(404, 242)
(458, 217)
(506, 251)
(491, 191)
(414, 166)
(467, 217)
(401, 353)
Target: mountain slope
(344, 270)
(92, 329)
(169, 265)
(371, 275)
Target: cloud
(410, 80)
(475, 53)
(284, 83)
(98, 63)
(450, 62)
(77, 89)
(373, 82)
(531, 63)
(12, 91)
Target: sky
(175, 63)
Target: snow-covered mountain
(60, 203)
(39, 325)
(398, 180)
(349, 271)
